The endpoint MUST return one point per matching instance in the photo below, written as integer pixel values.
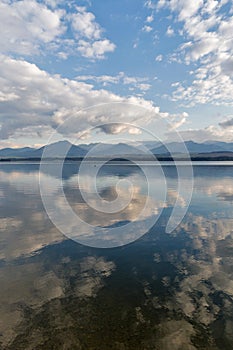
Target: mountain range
(57, 149)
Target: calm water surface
(164, 291)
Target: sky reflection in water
(164, 291)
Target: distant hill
(58, 149)
(119, 149)
(16, 152)
(226, 146)
(194, 147)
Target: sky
(73, 65)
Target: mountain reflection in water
(164, 291)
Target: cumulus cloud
(177, 122)
(33, 101)
(207, 28)
(84, 24)
(150, 19)
(29, 27)
(95, 49)
(92, 43)
(26, 25)
(147, 29)
(170, 31)
(144, 87)
(159, 58)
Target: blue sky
(172, 58)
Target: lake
(127, 283)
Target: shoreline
(122, 160)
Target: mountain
(58, 149)
(16, 152)
(224, 145)
(118, 150)
(194, 147)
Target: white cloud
(35, 102)
(170, 31)
(159, 58)
(85, 25)
(30, 27)
(53, 3)
(207, 29)
(151, 4)
(26, 25)
(144, 87)
(150, 19)
(91, 43)
(177, 122)
(96, 49)
(147, 29)
(186, 8)
(203, 47)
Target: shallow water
(161, 291)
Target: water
(163, 291)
